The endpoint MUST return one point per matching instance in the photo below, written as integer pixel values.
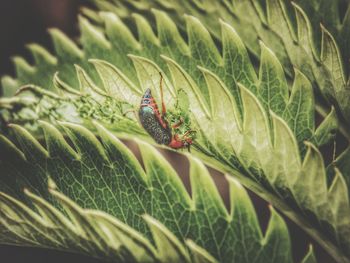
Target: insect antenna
(161, 94)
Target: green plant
(257, 127)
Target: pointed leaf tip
(169, 247)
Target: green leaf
(102, 174)
(237, 132)
(299, 112)
(273, 89)
(291, 30)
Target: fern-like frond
(106, 176)
(294, 35)
(247, 124)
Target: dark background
(26, 21)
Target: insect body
(157, 126)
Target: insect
(156, 124)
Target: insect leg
(187, 133)
(178, 124)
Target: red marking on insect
(156, 124)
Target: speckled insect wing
(150, 119)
